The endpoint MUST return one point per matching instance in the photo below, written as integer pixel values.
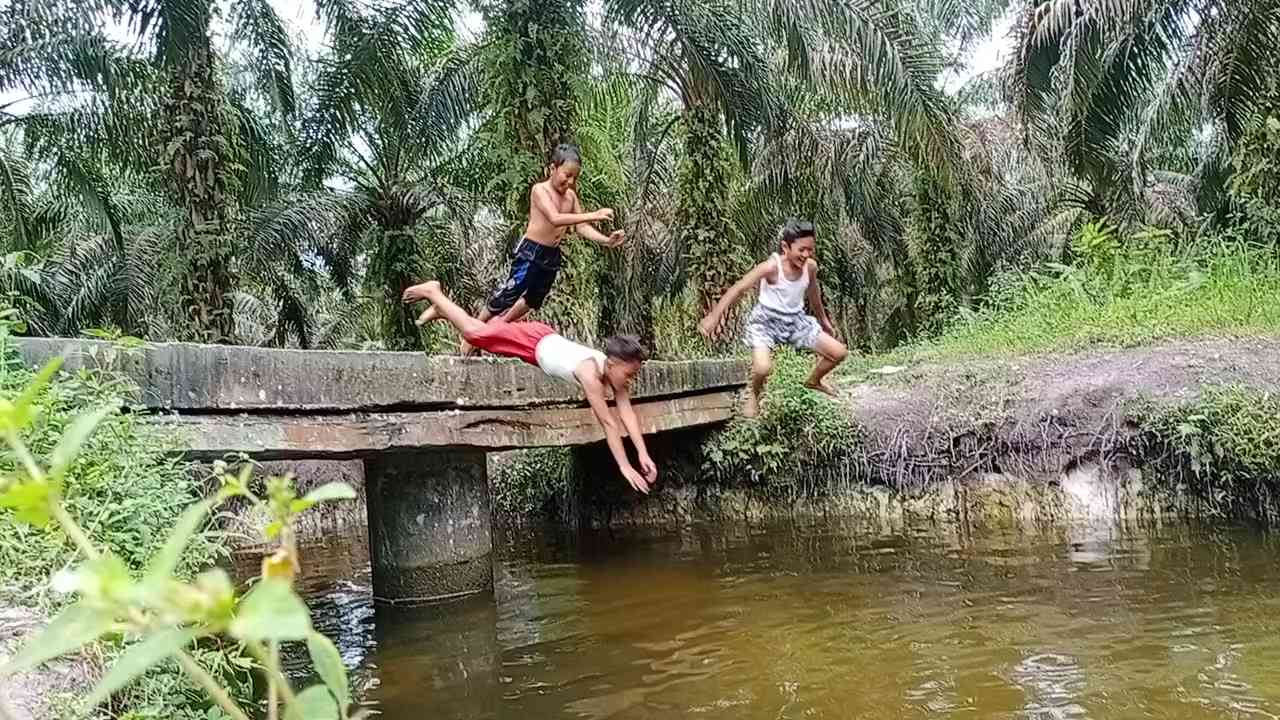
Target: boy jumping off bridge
(786, 280)
(537, 344)
(553, 209)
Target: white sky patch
(986, 56)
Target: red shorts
(511, 339)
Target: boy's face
(620, 372)
(564, 177)
(800, 251)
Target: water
(830, 621)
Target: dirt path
(1036, 415)
(33, 695)
(1085, 386)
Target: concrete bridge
(421, 424)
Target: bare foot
(427, 316)
(822, 387)
(751, 408)
(421, 291)
(466, 349)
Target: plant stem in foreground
(73, 531)
(219, 695)
(259, 653)
(273, 695)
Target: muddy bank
(1038, 440)
(243, 524)
(39, 694)
(1038, 416)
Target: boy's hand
(649, 468)
(636, 482)
(603, 214)
(615, 238)
(709, 327)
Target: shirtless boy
(553, 209)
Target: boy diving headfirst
(537, 344)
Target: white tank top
(559, 356)
(785, 296)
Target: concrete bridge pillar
(429, 529)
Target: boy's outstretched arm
(710, 325)
(594, 390)
(814, 294)
(543, 203)
(586, 230)
(622, 398)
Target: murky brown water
(831, 622)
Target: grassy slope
(1229, 290)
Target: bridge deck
(318, 404)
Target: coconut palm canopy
(205, 178)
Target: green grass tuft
(1137, 296)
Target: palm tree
(385, 124)
(753, 73)
(202, 152)
(535, 57)
(106, 105)
(1113, 89)
(708, 56)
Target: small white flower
(65, 582)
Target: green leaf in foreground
(18, 414)
(314, 703)
(328, 662)
(166, 561)
(271, 611)
(324, 493)
(71, 630)
(73, 438)
(138, 659)
(30, 501)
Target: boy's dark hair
(564, 153)
(626, 348)
(794, 229)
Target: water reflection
(831, 621)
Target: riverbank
(1137, 383)
(1115, 434)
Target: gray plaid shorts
(769, 328)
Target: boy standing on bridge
(537, 344)
(553, 209)
(786, 280)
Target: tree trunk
(536, 50)
(934, 252)
(712, 245)
(395, 266)
(200, 149)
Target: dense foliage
(210, 177)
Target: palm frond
(878, 59)
(265, 154)
(16, 193)
(708, 50)
(256, 24)
(369, 79)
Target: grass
(1128, 298)
(1222, 449)
(127, 489)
